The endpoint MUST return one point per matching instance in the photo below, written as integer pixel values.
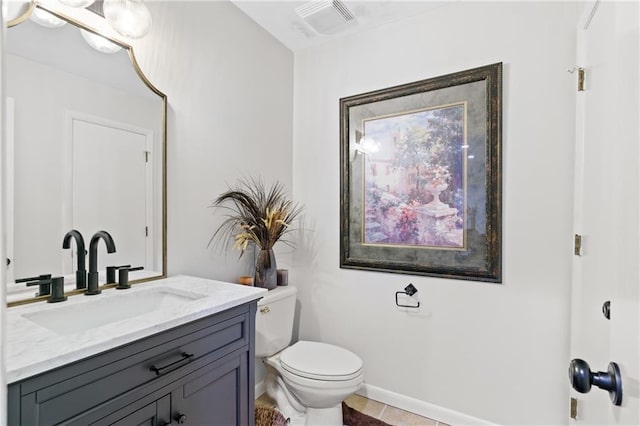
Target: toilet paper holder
(409, 290)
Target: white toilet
(308, 380)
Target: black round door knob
(582, 379)
(181, 418)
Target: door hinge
(580, 79)
(146, 156)
(146, 231)
(577, 245)
(574, 408)
(580, 72)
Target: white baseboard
(419, 407)
(407, 403)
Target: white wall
(494, 352)
(230, 91)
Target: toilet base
(297, 414)
(287, 404)
(324, 416)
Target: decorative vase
(435, 189)
(266, 268)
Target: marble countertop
(32, 348)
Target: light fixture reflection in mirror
(46, 19)
(99, 43)
(77, 3)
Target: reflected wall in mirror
(87, 146)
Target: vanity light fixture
(130, 18)
(77, 3)
(99, 43)
(46, 19)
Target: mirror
(86, 150)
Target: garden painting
(415, 178)
(421, 177)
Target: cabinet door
(146, 416)
(156, 413)
(215, 395)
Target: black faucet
(81, 273)
(92, 285)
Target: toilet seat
(321, 361)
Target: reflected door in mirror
(111, 181)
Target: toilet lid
(320, 361)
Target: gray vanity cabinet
(200, 373)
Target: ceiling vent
(326, 16)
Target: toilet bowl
(308, 380)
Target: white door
(607, 210)
(110, 190)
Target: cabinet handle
(159, 370)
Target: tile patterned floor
(388, 414)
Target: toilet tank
(274, 320)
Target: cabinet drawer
(73, 389)
(217, 393)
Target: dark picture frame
(421, 177)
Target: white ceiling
(280, 19)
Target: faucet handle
(57, 290)
(41, 277)
(111, 272)
(123, 277)
(44, 281)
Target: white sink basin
(91, 314)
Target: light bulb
(77, 3)
(130, 18)
(46, 19)
(99, 43)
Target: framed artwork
(421, 177)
